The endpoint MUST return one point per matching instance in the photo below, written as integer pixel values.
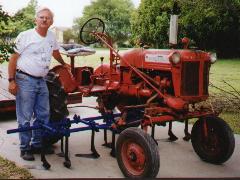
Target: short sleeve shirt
(35, 52)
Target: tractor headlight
(175, 58)
(213, 57)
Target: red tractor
(151, 87)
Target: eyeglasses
(45, 17)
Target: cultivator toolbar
(62, 130)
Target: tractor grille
(190, 79)
(206, 77)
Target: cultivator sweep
(149, 87)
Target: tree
(6, 32)
(10, 27)
(69, 35)
(115, 13)
(211, 24)
(24, 18)
(150, 23)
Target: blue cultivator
(62, 129)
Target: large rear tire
(57, 101)
(212, 139)
(57, 98)
(137, 154)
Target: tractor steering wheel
(90, 26)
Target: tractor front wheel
(212, 139)
(137, 154)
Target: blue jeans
(32, 103)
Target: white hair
(40, 9)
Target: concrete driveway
(177, 159)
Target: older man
(27, 68)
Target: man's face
(44, 19)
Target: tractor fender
(66, 78)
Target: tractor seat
(76, 50)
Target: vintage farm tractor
(148, 87)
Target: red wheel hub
(133, 157)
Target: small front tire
(212, 139)
(137, 154)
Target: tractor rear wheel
(212, 139)
(57, 101)
(137, 154)
(57, 98)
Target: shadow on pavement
(7, 116)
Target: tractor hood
(160, 58)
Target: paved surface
(177, 159)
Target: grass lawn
(91, 60)
(8, 170)
(229, 71)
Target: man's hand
(12, 87)
(56, 54)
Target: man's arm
(12, 87)
(56, 54)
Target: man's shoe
(38, 150)
(27, 155)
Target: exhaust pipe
(173, 29)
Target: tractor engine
(181, 75)
(178, 73)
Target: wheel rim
(133, 157)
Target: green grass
(227, 70)
(91, 60)
(233, 120)
(8, 170)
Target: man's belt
(36, 77)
